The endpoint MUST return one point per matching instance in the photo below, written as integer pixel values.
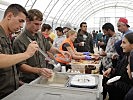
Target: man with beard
(108, 29)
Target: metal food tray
(59, 80)
(93, 86)
(43, 92)
(62, 80)
(81, 66)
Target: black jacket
(117, 90)
(121, 69)
(88, 46)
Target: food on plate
(83, 80)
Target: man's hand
(81, 43)
(115, 56)
(100, 43)
(103, 53)
(66, 53)
(107, 72)
(95, 56)
(47, 73)
(32, 48)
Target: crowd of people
(21, 62)
(118, 62)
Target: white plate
(113, 79)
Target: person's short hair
(35, 14)
(99, 30)
(15, 9)
(60, 29)
(45, 26)
(108, 26)
(82, 24)
(129, 37)
(66, 28)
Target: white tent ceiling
(69, 11)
